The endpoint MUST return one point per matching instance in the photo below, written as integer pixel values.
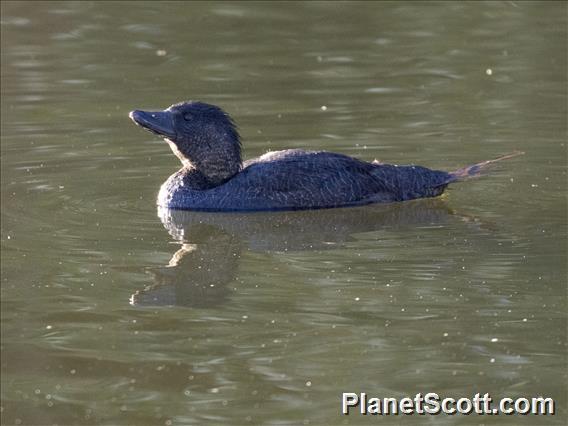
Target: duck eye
(187, 116)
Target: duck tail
(477, 170)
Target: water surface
(115, 313)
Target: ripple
(151, 29)
(15, 21)
(382, 90)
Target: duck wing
(312, 179)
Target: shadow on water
(199, 272)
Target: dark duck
(214, 177)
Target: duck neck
(217, 172)
(206, 177)
(217, 164)
(213, 166)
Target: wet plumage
(214, 178)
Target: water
(114, 313)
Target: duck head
(202, 136)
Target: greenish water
(114, 314)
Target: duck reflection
(199, 274)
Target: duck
(214, 177)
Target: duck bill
(159, 122)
